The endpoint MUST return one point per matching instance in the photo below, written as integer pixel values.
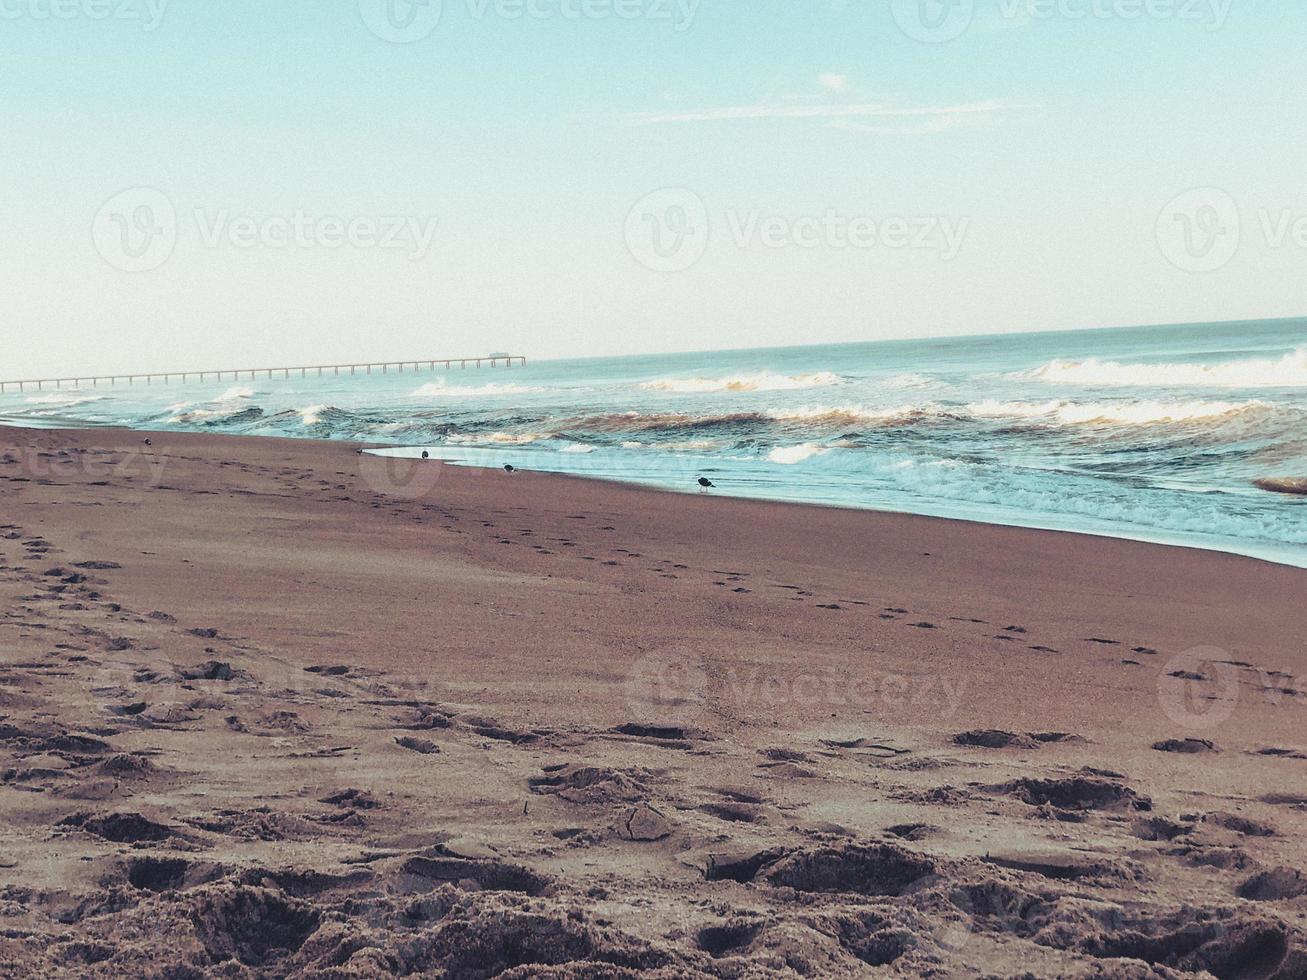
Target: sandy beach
(275, 708)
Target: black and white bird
(705, 484)
(425, 454)
(510, 468)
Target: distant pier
(316, 370)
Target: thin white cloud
(834, 82)
(875, 110)
(924, 127)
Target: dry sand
(273, 708)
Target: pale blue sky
(1048, 142)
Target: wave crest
(1114, 413)
(1289, 371)
(765, 381)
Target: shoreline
(1140, 538)
(1269, 553)
(400, 713)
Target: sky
(240, 183)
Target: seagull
(705, 484)
(510, 468)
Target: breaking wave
(765, 381)
(1289, 371)
(1115, 413)
(789, 455)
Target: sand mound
(1186, 746)
(121, 828)
(1274, 885)
(588, 784)
(994, 739)
(477, 875)
(1076, 793)
(868, 869)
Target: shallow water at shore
(1150, 433)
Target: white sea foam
(312, 415)
(692, 446)
(789, 455)
(765, 381)
(233, 394)
(1054, 412)
(854, 414)
(61, 398)
(1289, 371)
(1146, 412)
(495, 438)
(899, 382)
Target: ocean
(1153, 433)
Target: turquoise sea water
(1153, 433)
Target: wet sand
(274, 708)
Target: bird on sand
(705, 484)
(425, 454)
(510, 468)
(147, 442)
